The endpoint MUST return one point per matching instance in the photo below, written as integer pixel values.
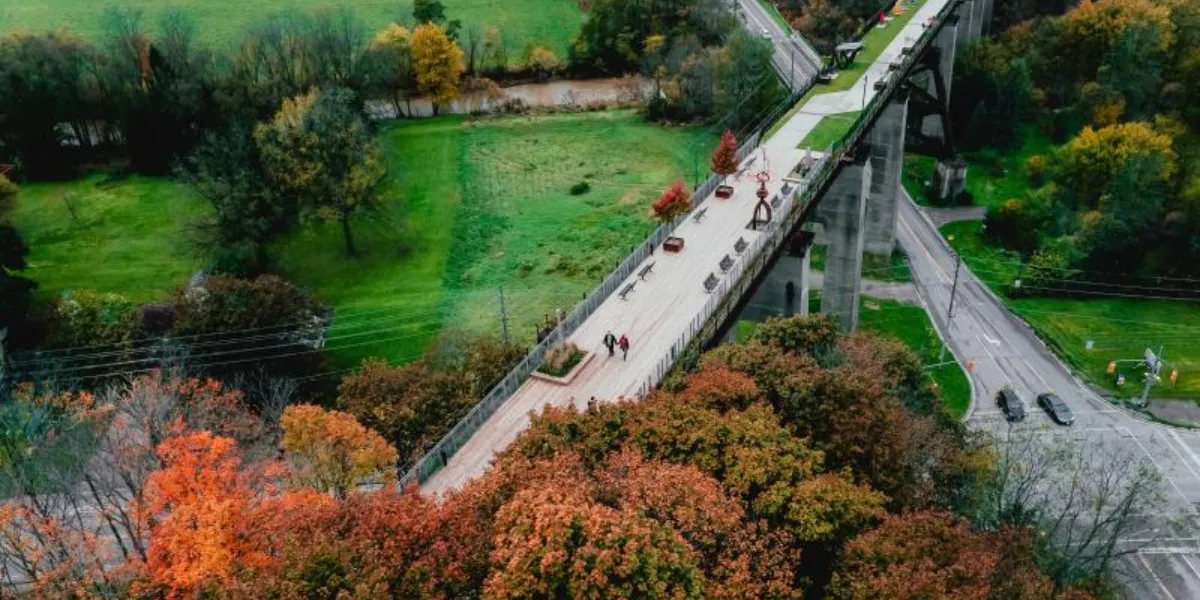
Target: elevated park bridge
(668, 302)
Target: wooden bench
(710, 282)
(776, 201)
(726, 264)
(645, 271)
(626, 290)
(699, 216)
(740, 245)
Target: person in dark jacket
(610, 342)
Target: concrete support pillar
(886, 139)
(805, 282)
(949, 178)
(970, 18)
(986, 28)
(946, 44)
(841, 212)
(784, 290)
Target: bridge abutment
(842, 213)
(886, 155)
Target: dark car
(1010, 403)
(1056, 408)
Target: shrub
(223, 303)
(1035, 167)
(8, 192)
(86, 317)
(581, 188)
(561, 359)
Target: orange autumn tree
(676, 201)
(724, 158)
(330, 451)
(203, 505)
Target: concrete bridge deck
(663, 307)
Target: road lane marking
(1154, 575)
(1191, 566)
(1187, 502)
(1187, 465)
(1187, 448)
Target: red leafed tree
(674, 202)
(724, 158)
(934, 556)
(381, 544)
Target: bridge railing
(754, 259)
(440, 453)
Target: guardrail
(440, 453)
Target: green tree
(159, 89)
(394, 72)
(16, 292)
(43, 82)
(248, 213)
(319, 152)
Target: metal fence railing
(738, 280)
(440, 453)
(723, 298)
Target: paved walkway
(662, 308)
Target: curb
(1071, 372)
(974, 400)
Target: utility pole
(792, 73)
(954, 288)
(504, 318)
(1154, 363)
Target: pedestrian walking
(592, 405)
(610, 342)
(624, 344)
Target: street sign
(1151, 361)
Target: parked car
(767, 35)
(1056, 408)
(1011, 404)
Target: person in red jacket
(623, 343)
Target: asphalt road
(789, 56)
(1005, 351)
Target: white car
(767, 35)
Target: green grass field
(911, 325)
(126, 235)
(880, 268)
(829, 130)
(993, 176)
(468, 206)
(874, 43)
(221, 22)
(1119, 328)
